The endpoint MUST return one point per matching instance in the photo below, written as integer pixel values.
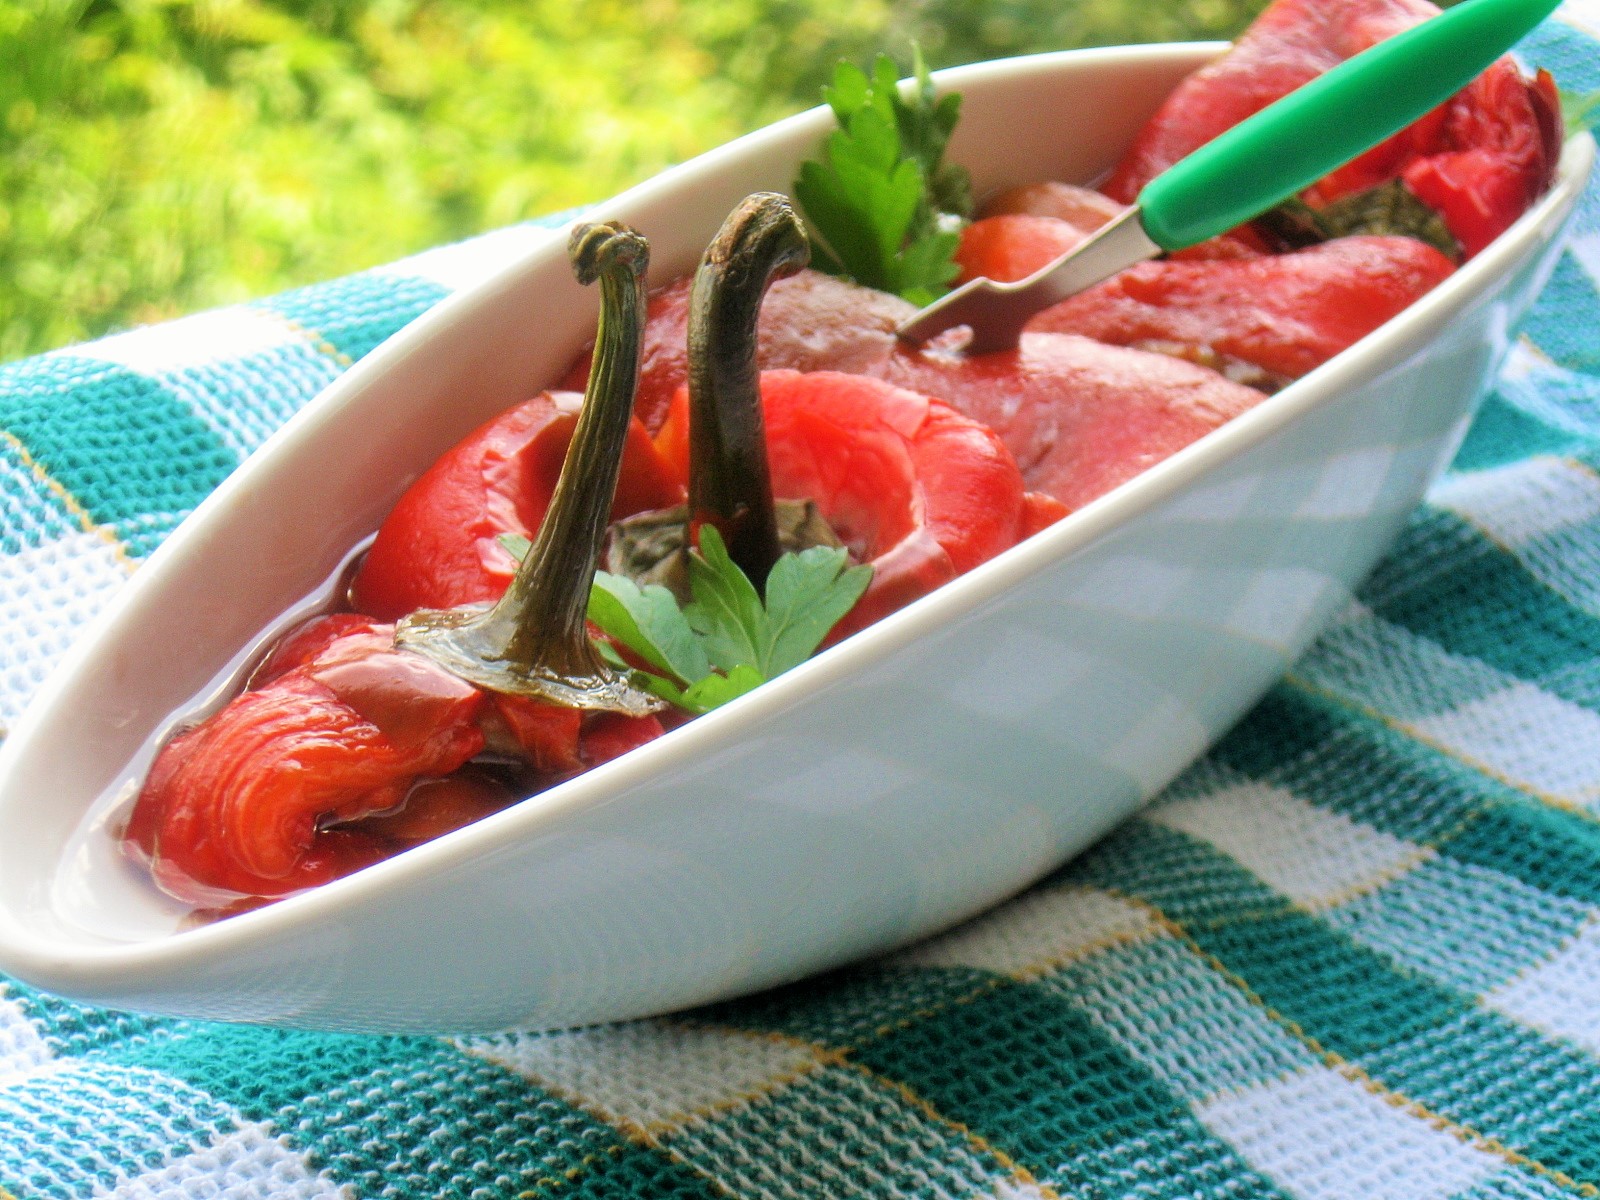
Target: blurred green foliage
(159, 156)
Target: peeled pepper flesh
(1284, 314)
(1479, 159)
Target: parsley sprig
(725, 641)
(882, 197)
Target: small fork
(1260, 162)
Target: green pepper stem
(729, 483)
(534, 641)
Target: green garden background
(158, 157)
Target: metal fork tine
(996, 312)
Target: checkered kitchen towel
(1354, 953)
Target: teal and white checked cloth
(1354, 953)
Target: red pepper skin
(1285, 314)
(1024, 228)
(1290, 43)
(1479, 159)
(241, 804)
(809, 322)
(1040, 511)
(440, 545)
(1079, 207)
(1496, 153)
(1078, 417)
(909, 484)
(611, 735)
(545, 734)
(562, 742)
(438, 806)
(1012, 246)
(304, 643)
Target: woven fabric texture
(1352, 953)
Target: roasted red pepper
(1280, 315)
(809, 322)
(346, 745)
(909, 485)
(1012, 246)
(1079, 417)
(1289, 44)
(1024, 228)
(440, 546)
(1479, 159)
(252, 801)
(531, 647)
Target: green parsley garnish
(725, 641)
(886, 205)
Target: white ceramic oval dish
(894, 785)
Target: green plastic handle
(1295, 141)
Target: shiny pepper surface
(440, 546)
(1284, 314)
(910, 485)
(1290, 43)
(1078, 417)
(1479, 159)
(809, 322)
(263, 798)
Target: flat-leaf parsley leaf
(725, 641)
(884, 201)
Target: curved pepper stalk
(901, 480)
(730, 484)
(533, 642)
